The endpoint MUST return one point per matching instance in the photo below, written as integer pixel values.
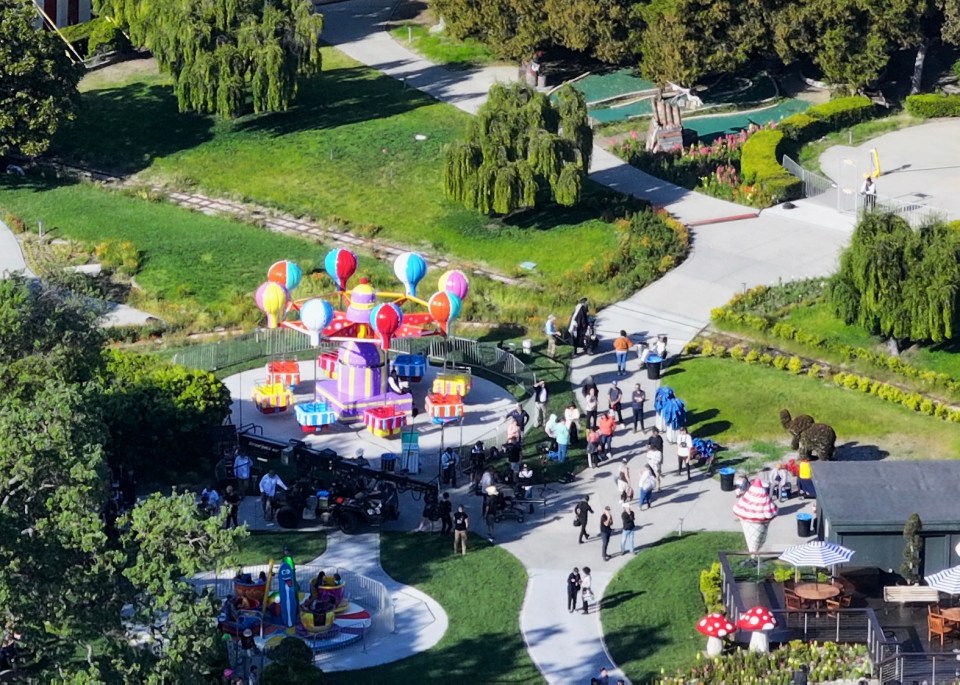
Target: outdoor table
(816, 593)
(952, 615)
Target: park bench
(906, 594)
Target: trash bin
(654, 362)
(388, 462)
(804, 525)
(726, 478)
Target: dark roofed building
(864, 505)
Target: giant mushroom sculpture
(715, 627)
(758, 621)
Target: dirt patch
(792, 85)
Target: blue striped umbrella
(818, 554)
(946, 581)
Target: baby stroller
(591, 340)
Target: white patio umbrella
(818, 554)
(947, 581)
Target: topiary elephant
(795, 426)
(818, 440)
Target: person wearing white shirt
(241, 471)
(268, 492)
(684, 450)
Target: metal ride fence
(844, 196)
(280, 341)
(368, 593)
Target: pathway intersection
(729, 254)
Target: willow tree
(226, 56)
(899, 282)
(521, 151)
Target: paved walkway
(728, 256)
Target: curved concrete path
(728, 256)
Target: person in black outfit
(606, 530)
(582, 511)
(128, 490)
(573, 590)
(512, 450)
(232, 500)
(446, 514)
(655, 442)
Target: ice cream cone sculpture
(755, 509)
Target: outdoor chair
(841, 602)
(938, 625)
(933, 610)
(794, 602)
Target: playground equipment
(272, 398)
(363, 322)
(319, 611)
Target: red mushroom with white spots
(758, 621)
(715, 627)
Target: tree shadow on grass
(615, 600)
(122, 130)
(339, 98)
(597, 204)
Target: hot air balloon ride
(364, 322)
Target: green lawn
(213, 265)
(347, 150)
(651, 607)
(481, 593)
(820, 319)
(442, 48)
(260, 548)
(733, 402)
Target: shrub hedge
(785, 331)
(759, 163)
(760, 160)
(850, 381)
(932, 105)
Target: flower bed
(713, 169)
(827, 661)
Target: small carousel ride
(364, 321)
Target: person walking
(621, 346)
(648, 481)
(628, 522)
(268, 492)
(241, 471)
(446, 513)
(606, 530)
(573, 589)
(553, 335)
(540, 397)
(448, 467)
(461, 524)
(684, 450)
(491, 502)
(592, 404)
(586, 589)
(582, 512)
(615, 401)
(593, 448)
(638, 398)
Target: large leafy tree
(226, 56)
(899, 282)
(66, 576)
(38, 82)
(521, 151)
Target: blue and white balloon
(410, 268)
(315, 315)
